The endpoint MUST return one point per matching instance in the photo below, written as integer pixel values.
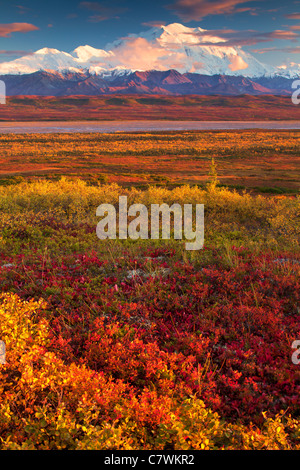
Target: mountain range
(171, 59)
(169, 82)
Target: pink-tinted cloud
(288, 50)
(196, 67)
(237, 63)
(154, 24)
(7, 29)
(293, 16)
(231, 38)
(98, 18)
(101, 11)
(195, 10)
(15, 53)
(21, 9)
(281, 34)
(140, 54)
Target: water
(140, 126)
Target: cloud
(93, 6)
(8, 55)
(233, 38)
(22, 10)
(154, 24)
(101, 11)
(293, 16)
(15, 53)
(7, 29)
(196, 67)
(195, 10)
(288, 50)
(140, 54)
(237, 63)
(281, 34)
(98, 18)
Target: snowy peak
(86, 53)
(172, 47)
(178, 34)
(47, 51)
(43, 59)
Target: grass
(140, 344)
(137, 107)
(263, 161)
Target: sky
(269, 29)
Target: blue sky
(269, 29)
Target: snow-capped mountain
(44, 59)
(291, 71)
(185, 50)
(176, 47)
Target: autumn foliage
(142, 345)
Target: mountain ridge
(170, 82)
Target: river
(140, 126)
